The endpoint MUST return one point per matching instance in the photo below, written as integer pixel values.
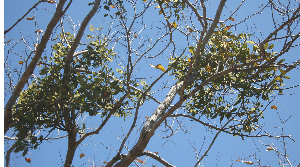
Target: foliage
(41, 106)
(224, 51)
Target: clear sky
(191, 139)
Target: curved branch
(157, 158)
(8, 121)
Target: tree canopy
(159, 70)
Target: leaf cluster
(249, 84)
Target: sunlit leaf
(21, 62)
(189, 59)
(174, 24)
(81, 155)
(147, 117)
(278, 78)
(158, 66)
(248, 162)
(112, 6)
(208, 68)
(250, 42)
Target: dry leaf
(248, 162)
(227, 27)
(156, 153)
(147, 117)
(274, 107)
(231, 18)
(21, 62)
(30, 18)
(27, 160)
(269, 149)
(81, 155)
(39, 31)
(112, 6)
(140, 161)
(51, 1)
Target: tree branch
(8, 121)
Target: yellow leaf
(21, 62)
(278, 79)
(250, 42)
(160, 12)
(89, 36)
(112, 6)
(208, 68)
(147, 117)
(189, 59)
(144, 0)
(156, 153)
(158, 66)
(81, 155)
(274, 107)
(174, 24)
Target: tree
(216, 74)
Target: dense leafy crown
(249, 87)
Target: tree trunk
(71, 146)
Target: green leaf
(286, 77)
(281, 61)
(271, 46)
(106, 7)
(282, 71)
(266, 45)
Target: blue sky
(182, 148)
